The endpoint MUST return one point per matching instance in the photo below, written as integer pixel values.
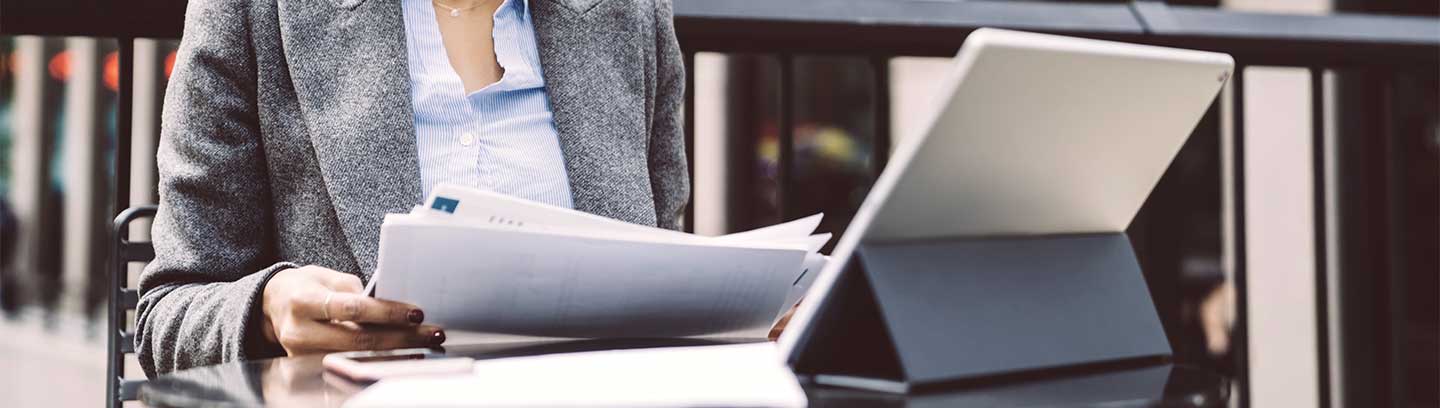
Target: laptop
(1030, 136)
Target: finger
(365, 309)
(359, 308)
(320, 336)
(343, 282)
(780, 325)
(779, 328)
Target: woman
(291, 127)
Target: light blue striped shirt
(500, 138)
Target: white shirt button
(467, 139)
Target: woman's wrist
(260, 338)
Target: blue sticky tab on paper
(445, 204)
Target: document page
(500, 209)
(745, 375)
(539, 284)
(484, 262)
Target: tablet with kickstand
(994, 242)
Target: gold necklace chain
(455, 12)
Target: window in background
(833, 128)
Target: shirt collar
(524, 6)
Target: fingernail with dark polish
(437, 338)
(416, 316)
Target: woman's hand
(314, 309)
(779, 328)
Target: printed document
(743, 375)
(480, 261)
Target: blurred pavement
(59, 364)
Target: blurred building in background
(57, 142)
(58, 127)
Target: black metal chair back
(123, 299)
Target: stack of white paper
(481, 261)
(747, 375)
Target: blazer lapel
(595, 80)
(347, 59)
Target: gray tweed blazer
(288, 134)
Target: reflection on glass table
(301, 381)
